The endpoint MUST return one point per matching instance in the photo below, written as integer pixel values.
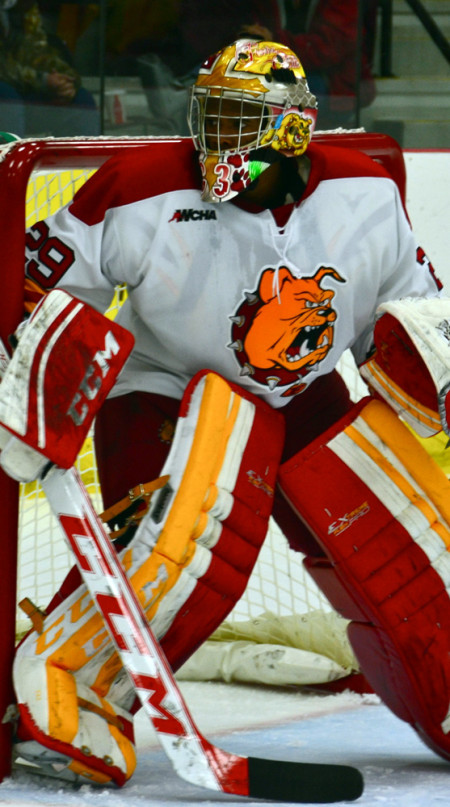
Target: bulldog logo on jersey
(285, 328)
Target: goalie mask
(251, 101)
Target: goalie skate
(33, 758)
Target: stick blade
(303, 782)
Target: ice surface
(399, 770)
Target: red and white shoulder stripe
(164, 167)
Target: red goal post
(19, 161)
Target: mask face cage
(250, 103)
(223, 120)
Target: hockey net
(282, 607)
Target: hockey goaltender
(253, 256)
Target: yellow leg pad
(190, 559)
(217, 433)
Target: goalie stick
(193, 757)
(47, 405)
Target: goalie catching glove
(411, 367)
(188, 562)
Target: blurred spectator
(135, 27)
(324, 33)
(40, 92)
(207, 27)
(69, 21)
(132, 27)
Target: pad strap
(123, 517)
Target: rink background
(428, 204)
(286, 723)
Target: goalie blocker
(65, 364)
(379, 508)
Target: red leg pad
(378, 506)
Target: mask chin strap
(259, 160)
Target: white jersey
(225, 288)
